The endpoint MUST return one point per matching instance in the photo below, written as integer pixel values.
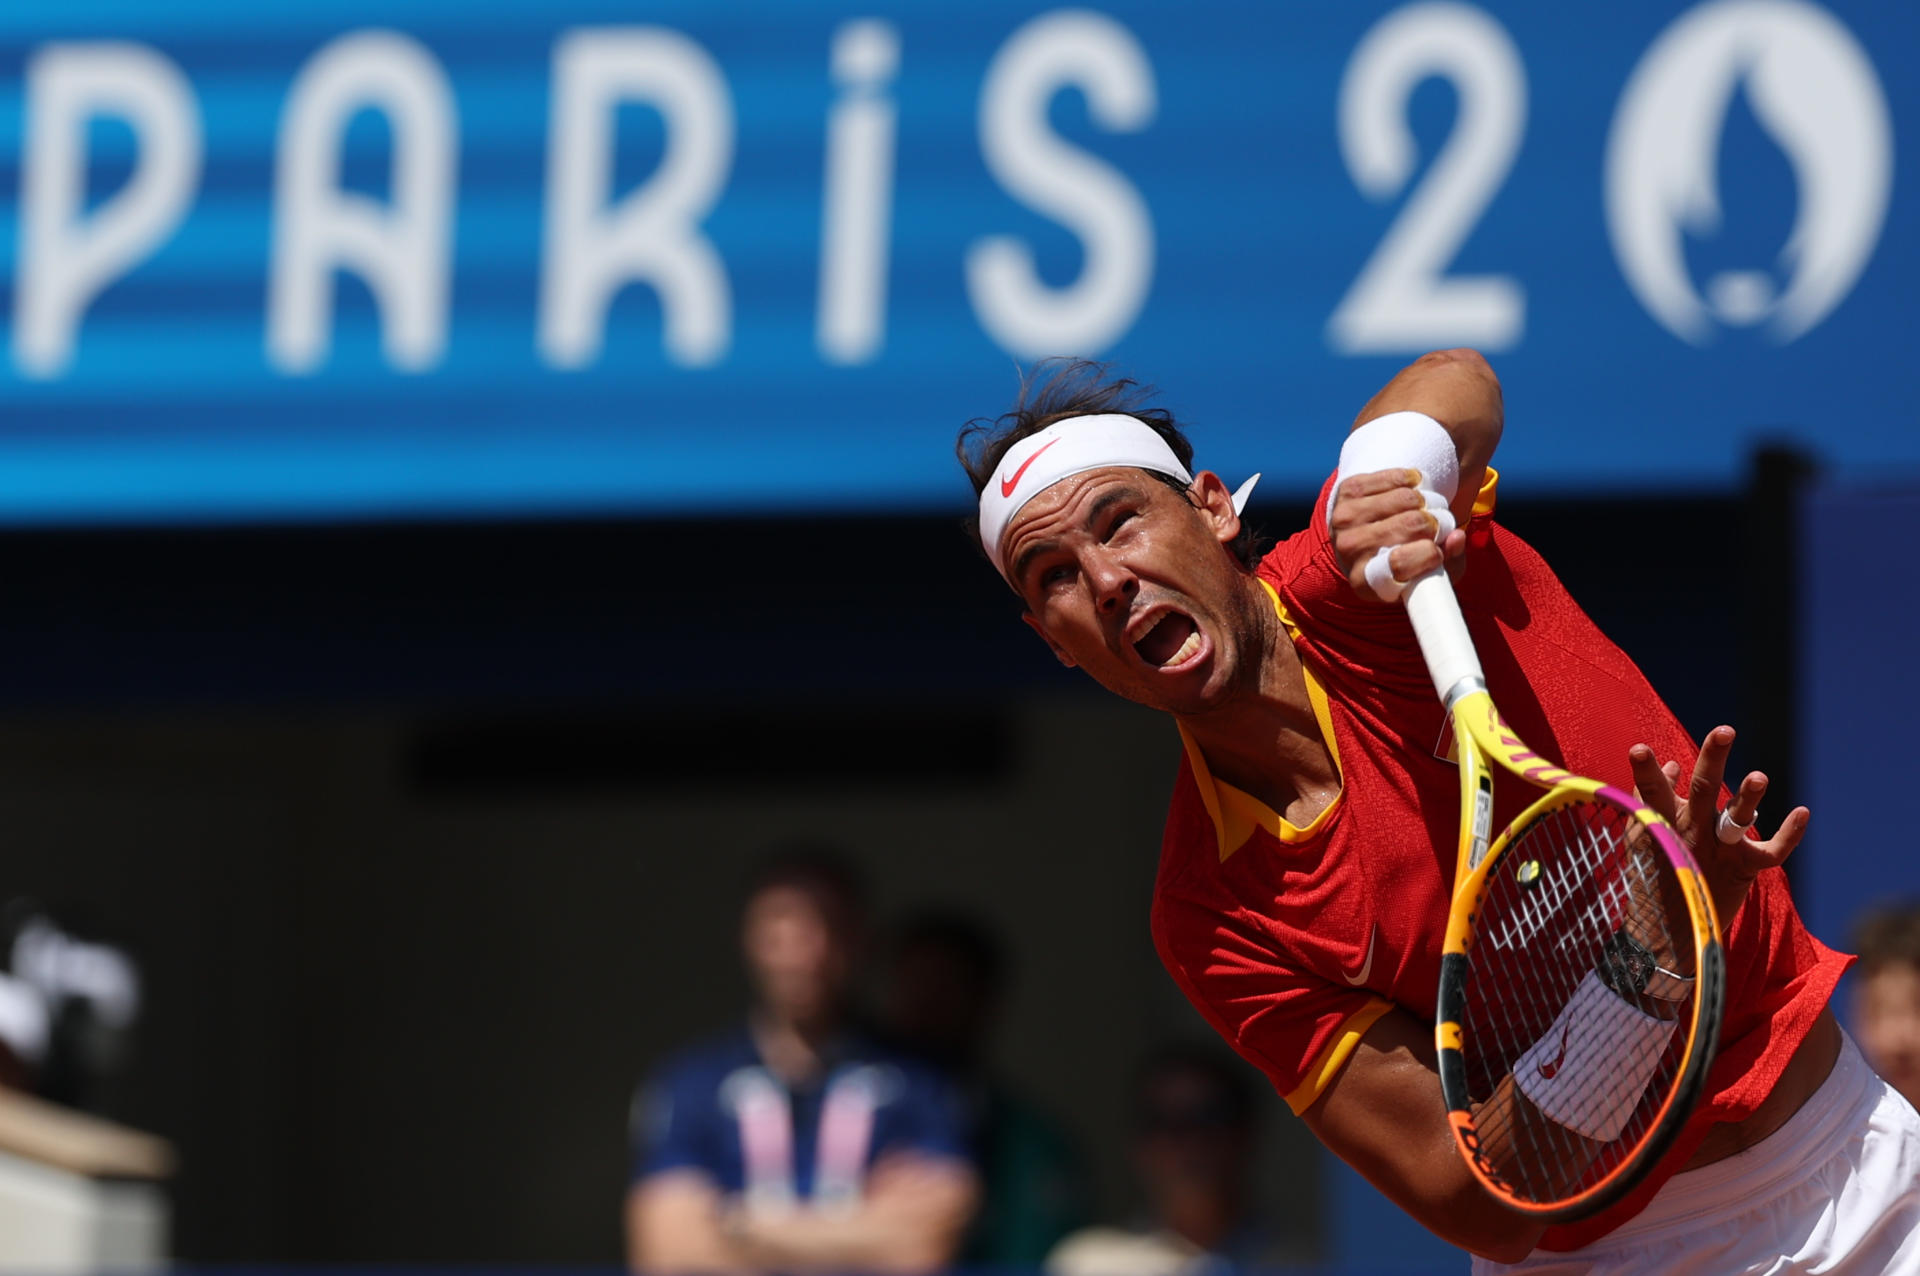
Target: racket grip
(1442, 632)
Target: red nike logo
(1008, 484)
(1548, 1071)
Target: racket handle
(1443, 636)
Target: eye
(1056, 575)
(1120, 519)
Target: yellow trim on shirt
(1326, 1066)
(1489, 489)
(1237, 813)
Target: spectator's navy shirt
(719, 1109)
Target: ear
(1215, 502)
(1059, 652)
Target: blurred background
(475, 480)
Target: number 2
(1402, 300)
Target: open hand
(1729, 867)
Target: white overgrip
(1442, 632)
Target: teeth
(1187, 648)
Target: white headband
(1067, 448)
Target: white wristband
(1591, 1068)
(1402, 441)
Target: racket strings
(1553, 904)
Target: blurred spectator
(794, 1144)
(68, 1005)
(1886, 997)
(942, 993)
(1193, 1152)
(23, 1032)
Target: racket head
(1527, 926)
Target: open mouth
(1173, 639)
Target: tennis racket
(1582, 979)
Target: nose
(1114, 583)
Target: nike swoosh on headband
(1091, 443)
(1008, 484)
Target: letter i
(857, 204)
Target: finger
(1405, 562)
(1671, 770)
(1456, 544)
(1374, 483)
(1355, 542)
(1411, 527)
(1754, 856)
(1746, 802)
(1358, 513)
(1652, 783)
(1703, 791)
(1410, 562)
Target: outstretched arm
(1382, 1113)
(1383, 1116)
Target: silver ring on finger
(1727, 831)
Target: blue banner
(336, 258)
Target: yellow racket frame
(1483, 741)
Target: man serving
(1307, 861)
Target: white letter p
(66, 259)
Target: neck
(792, 1050)
(1204, 1218)
(1265, 738)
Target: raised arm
(1458, 389)
(1381, 507)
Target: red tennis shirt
(1293, 941)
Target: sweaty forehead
(1068, 504)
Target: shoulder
(899, 1077)
(914, 1103)
(703, 1065)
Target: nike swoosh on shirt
(1008, 484)
(1550, 1070)
(1366, 967)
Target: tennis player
(1308, 855)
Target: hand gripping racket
(1582, 979)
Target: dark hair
(1889, 936)
(960, 935)
(1056, 389)
(821, 871)
(1223, 1074)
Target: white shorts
(1834, 1190)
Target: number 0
(1402, 300)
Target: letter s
(1020, 312)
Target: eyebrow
(1105, 501)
